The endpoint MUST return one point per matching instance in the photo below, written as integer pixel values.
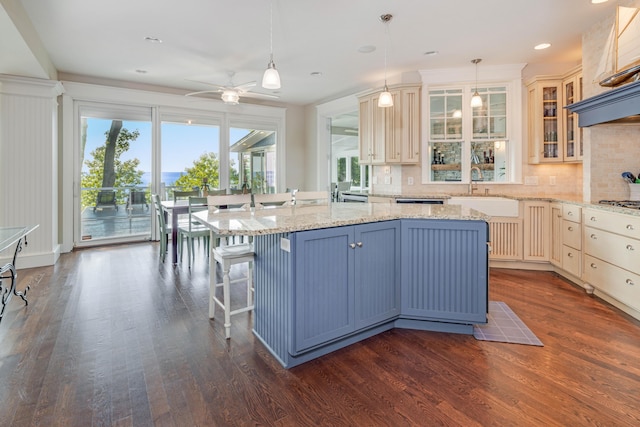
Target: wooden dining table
(175, 209)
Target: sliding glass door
(115, 166)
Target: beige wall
(609, 149)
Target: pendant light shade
(385, 100)
(476, 99)
(271, 78)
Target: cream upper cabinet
(553, 132)
(572, 138)
(544, 124)
(390, 135)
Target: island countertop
(286, 219)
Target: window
(456, 129)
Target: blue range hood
(620, 105)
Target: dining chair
(192, 229)
(310, 197)
(180, 195)
(272, 199)
(228, 254)
(163, 227)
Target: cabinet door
(392, 131)
(445, 270)
(545, 124)
(555, 256)
(410, 125)
(377, 272)
(536, 231)
(365, 130)
(323, 291)
(572, 138)
(505, 237)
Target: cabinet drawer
(615, 249)
(627, 225)
(572, 213)
(572, 234)
(571, 260)
(620, 284)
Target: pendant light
(476, 99)
(271, 78)
(385, 99)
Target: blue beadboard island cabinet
(329, 276)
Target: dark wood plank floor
(113, 337)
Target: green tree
(123, 173)
(206, 166)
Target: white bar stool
(227, 256)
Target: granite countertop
(272, 220)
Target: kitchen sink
(493, 206)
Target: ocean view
(168, 178)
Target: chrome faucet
(471, 186)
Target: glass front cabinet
(553, 132)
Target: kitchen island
(327, 276)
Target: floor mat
(504, 326)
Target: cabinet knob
(629, 227)
(629, 282)
(570, 255)
(569, 213)
(629, 248)
(593, 218)
(352, 245)
(593, 265)
(570, 228)
(359, 244)
(594, 237)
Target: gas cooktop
(632, 204)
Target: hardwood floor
(111, 336)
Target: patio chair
(106, 199)
(137, 198)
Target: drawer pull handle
(593, 218)
(629, 227)
(629, 248)
(593, 265)
(359, 244)
(570, 228)
(570, 213)
(594, 237)
(630, 282)
(352, 245)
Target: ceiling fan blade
(259, 95)
(209, 84)
(203, 91)
(245, 86)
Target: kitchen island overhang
(327, 276)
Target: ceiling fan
(231, 93)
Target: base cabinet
(444, 265)
(320, 290)
(611, 245)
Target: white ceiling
(205, 39)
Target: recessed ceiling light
(152, 39)
(141, 71)
(598, 1)
(316, 74)
(431, 53)
(366, 49)
(542, 46)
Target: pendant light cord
(271, 31)
(386, 46)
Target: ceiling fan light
(271, 78)
(476, 100)
(230, 97)
(385, 99)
